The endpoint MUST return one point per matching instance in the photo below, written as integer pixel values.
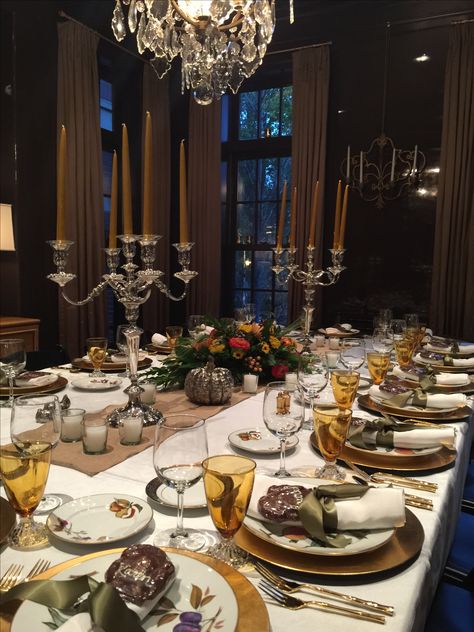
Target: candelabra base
(151, 416)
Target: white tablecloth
(410, 591)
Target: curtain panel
(308, 155)
(78, 111)
(156, 101)
(204, 206)
(452, 294)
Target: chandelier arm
(97, 291)
(238, 19)
(167, 292)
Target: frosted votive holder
(130, 428)
(94, 435)
(334, 343)
(291, 381)
(250, 383)
(71, 424)
(149, 393)
(332, 358)
(319, 341)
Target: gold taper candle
(61, 186)
(126, 185)
(113, 204)
(183, 197)
(293, 218)
(147, 178)
(337, 220)
(314, 213)
(342, 231)
(281, 223)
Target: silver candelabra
(131, 289)
(310, 277)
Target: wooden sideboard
(18, 327)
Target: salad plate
(259, 441)
(87, 383)
(194, 497)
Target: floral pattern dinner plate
(199, 593)
(259, 441)
(100, 518)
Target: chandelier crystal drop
(220, 42)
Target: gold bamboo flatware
(39, 567)
(293, 603)
(292, 587)
(405, 481)
(410, 499)
(11, 577)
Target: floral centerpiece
(259, 348)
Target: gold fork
(292, 603)
(11, 577)
(292, 587)
(39, 567)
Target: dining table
(409, 588)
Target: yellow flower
(238, 354)
(265, 347)
(216, 347)
(246, 328)
(274, 342)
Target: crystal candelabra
(131, 289)
(310, 277)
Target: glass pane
(263, 271)
(270, 112)
(281, 308)
(286, 111)
(107, 157)
(241, 297)
(267, 179)
(245, 223)
(285, 172)
(246, 185)
(106, 119)
(225, 118)
(243, 269)
(248, 111)
(266, 223)
(105, 94)
(263, 302)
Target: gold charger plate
(340, 334)
(109, 367)
(379, 461)
(253, 614)
(54, 387)
(365, 401)
(442, 388)
(158, 349)
(7, 519)
(404, 545)
(441, 368)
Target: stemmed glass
(195, 323)
(378, 364)
(179, 449)
(12, 361)
(398, 326)
(228, 482)
(173, 333)
(382, 340)
(283, 414)
(251, 312)
(24, 476)
(312, 377)
(97, 351)
(344, 387)
(330, 428)
(353, 353)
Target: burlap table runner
(71, 454)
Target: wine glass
(195, 325)
(97, 352)
(173, 333)
(228, 483)
(24, 476)
(12, 361)
(383, 318)
(382, 340)
(353, 353)
(240, 316)
(378, 364)
(251, 312)
(344, 387)
(180, 446)
(398, 326)
(312, 377)
(330, 428)
(283, 414)
(404, 350)
(412, 321)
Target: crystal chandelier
(221, 42)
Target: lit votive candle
(332, 359)
(94, 436)
(319, 341)
(291, 380)
(149, 392)
(334, 343)
(71, 425)
(250, 383)
(130, 429)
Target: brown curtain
(78, 110)
(452, 294)
(156, 101)
(204, 163)
(308, 154)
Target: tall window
(256, 133)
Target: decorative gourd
(208, 384)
